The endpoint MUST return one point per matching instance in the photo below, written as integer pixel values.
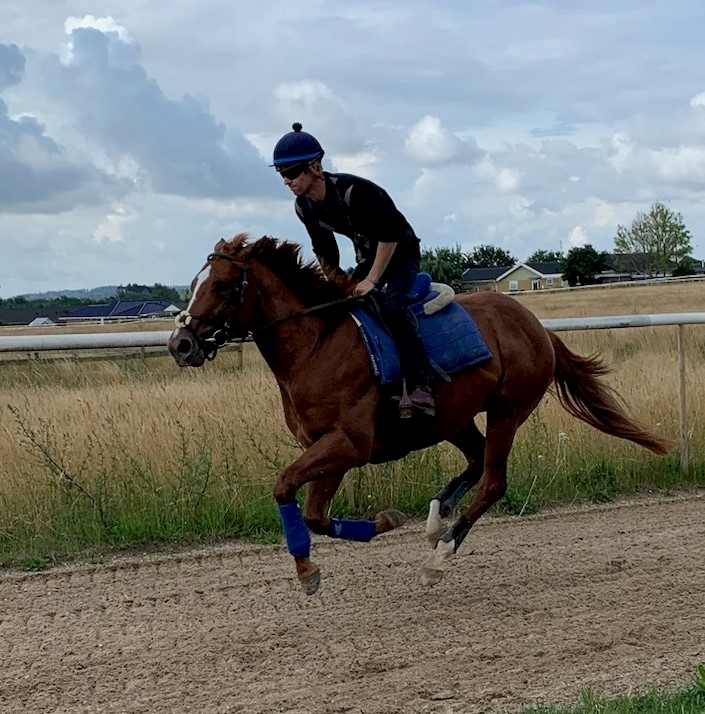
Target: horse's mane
(305, 279)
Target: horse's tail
(582, 393)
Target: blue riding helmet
(296, 147)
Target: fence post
(683, 415)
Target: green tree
(545, 256)
(685, 267)
(655, 241)
(133, 291)
(445, 265)
(490, 256)
(581, 265)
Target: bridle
(224, 331)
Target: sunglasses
(292, 172)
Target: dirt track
(531, 611)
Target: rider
(387, 250)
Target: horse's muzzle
(185, 349)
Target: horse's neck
(286, 346)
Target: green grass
(691, 701)
(114, 454)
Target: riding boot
(422, 399)
(417, 371)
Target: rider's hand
(364, 287)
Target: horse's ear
(219, 246)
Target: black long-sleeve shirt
(362, 211)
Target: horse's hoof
(434, 536)
(389, 520)
(311, 582)
(428, 577)
(432, 570)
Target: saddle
(449, 334)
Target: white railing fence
(38, 343)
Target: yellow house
(531, 276)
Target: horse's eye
(222, 286)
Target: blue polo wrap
(358, 529)
(298, 541)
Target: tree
(489, 256)
(582, 264)
(133, 291)
(685, 267)
(445, 265)
(655, 241)
(545, 256)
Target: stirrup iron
(405, 403)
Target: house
(121, 310)
(42, 322)
(476, 280)
(25, 315)
(522, 276)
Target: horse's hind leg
(491, 487)
(472, 443)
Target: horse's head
(222, 306)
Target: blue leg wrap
(298, 540)
(361, 530)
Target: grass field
(691, 701)
(114, 453)
(685, 701)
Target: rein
(224, 334)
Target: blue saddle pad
(450, 336)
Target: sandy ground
(530, 611)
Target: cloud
(38, 174)
(577, 237)
(149, 133)
(698, 100)
(322, 113)
(11, 65)
(430, 144)
(176, 145)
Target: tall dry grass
(124, 451)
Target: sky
(135, 134)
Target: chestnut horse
(335, 408)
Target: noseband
(223, 332)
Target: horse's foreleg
(325, 460)
(320, 493)
(491, 487)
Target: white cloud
(362, 163)
(577, 237)
(685, 164)
(321, 112)
(125, 133)
(176, 145)
(111, 228)
(507, 181)
(698, 100)
(102, 24)
(604, 215)
(429, 143)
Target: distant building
(522, 276)
(25, 315)
(42, 322)
(121, 311)
(531, 276)
(477, 280)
